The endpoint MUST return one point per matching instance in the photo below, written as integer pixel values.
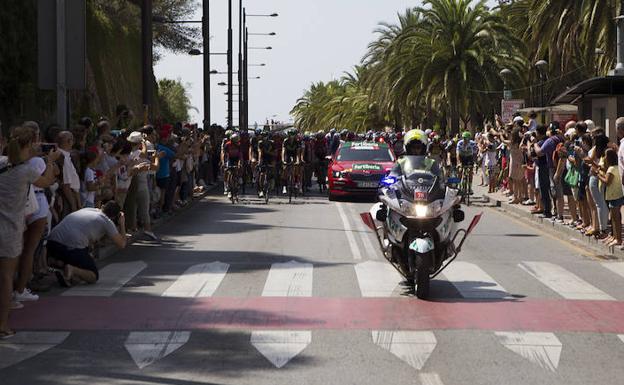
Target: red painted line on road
(156, 313)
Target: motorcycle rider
(415, 155)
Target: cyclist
(245, 144)
(399, 145)
(226, 138)
(308, 159)
(291, 154)
(466, 153)
(436, 149)
(253, 153)
(231, 157)
(266, 158)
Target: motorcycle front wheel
(423, 281)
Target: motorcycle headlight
(421, 211)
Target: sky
(316, 41)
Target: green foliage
(434, 63)
(174, 100)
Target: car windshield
(370, 153)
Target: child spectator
(613, 194)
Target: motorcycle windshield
(414, 167)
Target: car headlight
(337, 174)
(421, 211)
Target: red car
(357, 167)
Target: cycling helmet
(467, 135)
(235, 137)
(228, 133)
(415, 142)
(258, 131)
(428, 131)
(291, 132)
(320, 135)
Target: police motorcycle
(417, 216)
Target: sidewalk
(108, 249)
(556, 229)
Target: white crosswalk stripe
(377, 279)
(563, 282)
(355, 249)
(112, 278)
(25, 345)
(616, 267)
(290, 279)
(198, 281)
(473, 282)
(369, 249)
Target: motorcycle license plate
(368, 184)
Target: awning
(559, 108)
(594, 88)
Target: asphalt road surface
(299, 294)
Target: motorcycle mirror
(474, 223)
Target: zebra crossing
(296, 279)
(471, 280)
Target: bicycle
(291, 182)
(246, 175)
(231, 175)
(264, 181)
(321, 175)
(466, 183)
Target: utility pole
(230, 65)
(146, 57)
(241, 101)
(206, 60)
(61, 81)
(246, 76)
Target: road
(298, 294)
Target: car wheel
(332, 197)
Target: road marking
(290, 279)
(279, 347)
(543, 349)
(414, 348)
(472, 282)
(616, 267)
(145, 348)
(112, 278)
(355, 250)
(377, 279)
(25, 345)
(198, 281)
(565, 283)
(621, 337)
(430, 379)
(364, 232)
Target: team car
(357, 168)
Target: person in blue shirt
(163, 174)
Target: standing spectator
(163, 175)
(596, 163)
(619, 126)
(613, 194)
(544, 149)
(139, 188)
(16, 176)
(71, 181)
(532, 121)
(516, 172)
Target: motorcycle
(415, 222)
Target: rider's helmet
(291, 133)
(320, 134)
(428, 131)
(228, 133)
(466, 135)
(259, 132)
(235, 137)
(416, 143)
(351, 136)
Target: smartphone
(151, 153)
(47, 147)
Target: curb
(558, 230)
(107, 250)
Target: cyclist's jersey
(308, 150)
(268, 150)
(292, 147)
(254, 146)
(277, 146)
(320, 148)
(232, 151)
(244, 146)
(451, 147)
(467, 151)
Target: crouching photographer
(69, 242)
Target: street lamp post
(241, 102)
(542, 66)
(206, 61)
(230, 65)
(146, 57)
(505, 73)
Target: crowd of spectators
(569, 173)
(64, 190)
